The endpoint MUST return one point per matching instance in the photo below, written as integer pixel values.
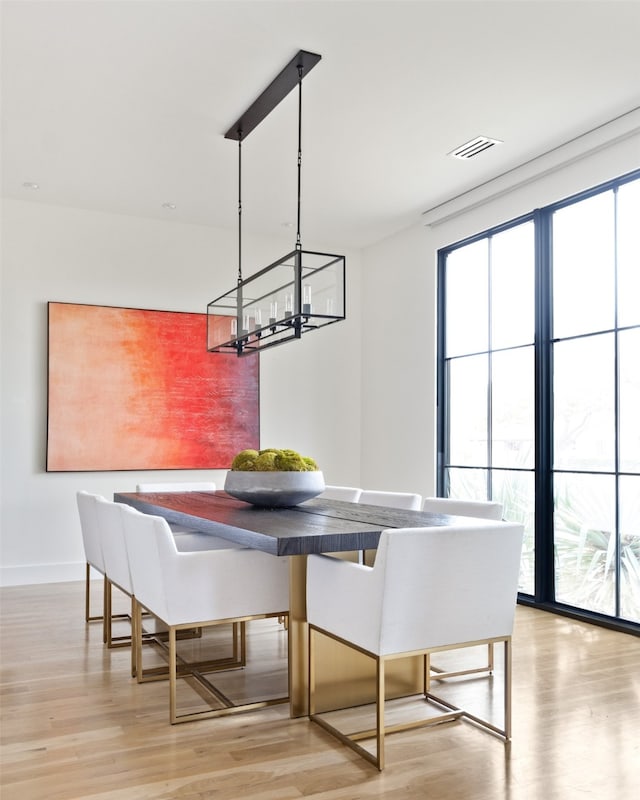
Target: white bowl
(274, 489)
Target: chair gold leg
(311, 680)
(243, 643)
(109, 638)
(173, 669)
(507, 689)
(106, 625)
(87, 584)
(445, 710)
(505, 730)
(442, 674)
(137, 642)
(380, 696)
(239, 633)
(88, 616)
(134, 637)
(87, 594)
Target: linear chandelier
(298, 293)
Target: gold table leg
(298, 637)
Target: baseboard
(43, 573)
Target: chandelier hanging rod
(275, 92)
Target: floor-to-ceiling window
(539, 392)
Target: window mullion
(442, 388)
(544, 538)
(489, 482)
(616, 408)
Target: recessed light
(287, 224)
(30, 185)
(170, 206)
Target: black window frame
(544, 575)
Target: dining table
(348, 530)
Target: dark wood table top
(315, 526)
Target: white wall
(310, 389)
(399, 301)
(398, 364)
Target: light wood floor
(76, 726)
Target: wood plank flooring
(75, 726)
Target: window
(539, 393)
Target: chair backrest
(146, 538)
(348, 494)
(486, 509)
(186, 486)
(447, 585)
(114, 549)
(406, 500)
(89, 527)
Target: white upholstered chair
(92, 542)
(199, 589)
(92, 549)
(430, 589)
(484, 509)
(406, 500)
(110, 525)
(480, 509)
(114, 551)
(349, 494)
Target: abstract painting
(131, 389)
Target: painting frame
(135, 389)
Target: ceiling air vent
(474, 147)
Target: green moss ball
(265, 462)
(244, 460)
(273, 460)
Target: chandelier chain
(240, 206)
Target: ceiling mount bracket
(275, 92)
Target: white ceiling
(122, 105)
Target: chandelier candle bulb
(306, 301)
(288, 305)
(273, 313)
(234, 328)
(257, 319)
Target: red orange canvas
(132, 389)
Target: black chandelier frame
(300, 292)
